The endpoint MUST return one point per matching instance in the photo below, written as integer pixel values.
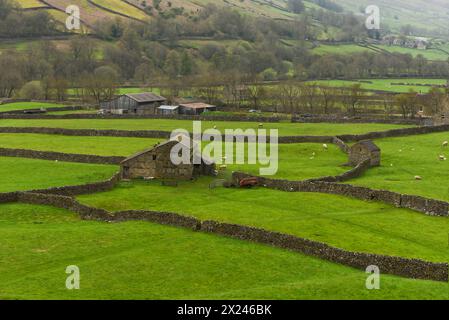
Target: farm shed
(364, 150)
(167, 110)
(156, 163)
(195, 108)
(134, 103)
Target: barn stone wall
(157, 164)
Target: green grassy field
(342, 222)
(138, 260)
(386, 84)
(404, 158)
(296, 161)
(285, 128)
(27, 174)
(103, 146)
(430, 54)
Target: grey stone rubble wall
(355, 172)
(17, 115)
(394, 133)
(321, 119)
(67, 157)
(411, 268)
(306, 139)
(88, 132)
(341, 144)
(283, 139)
(82, 189)
(145, 134)
(416, 203)
(8, 197)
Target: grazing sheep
(325, 146)
(223, 166)
(260, 125)
(445, 143)
(215, 127)
(442, 157)
(418, 178)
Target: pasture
(27, 174)
(18, 106)
(388, 85)
(285, 128)
(167, 263)
(42, 234)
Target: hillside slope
(425, 14)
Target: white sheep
(325, 146)
(418, 178)
(442, 157)
(445, 143)
(260, 125)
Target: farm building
(364, 150)
(195, 108)
(134, 103)
(156, 163)
(167, 110)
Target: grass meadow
(20, 174)
(150, 261)
(139, 260)
(17, 106)
(285, 128)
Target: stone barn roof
(145, 97)
(171, 143)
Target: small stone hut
(364, 150)
(156, 163)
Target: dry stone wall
(411, 268)
(416, 203)
(67, 157)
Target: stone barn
(364, 150)
(156, 163)
(134, 103)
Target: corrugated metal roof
(145, 97)
(197, 105)
(168, 107)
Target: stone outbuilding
(156, 163)
(364, 150)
